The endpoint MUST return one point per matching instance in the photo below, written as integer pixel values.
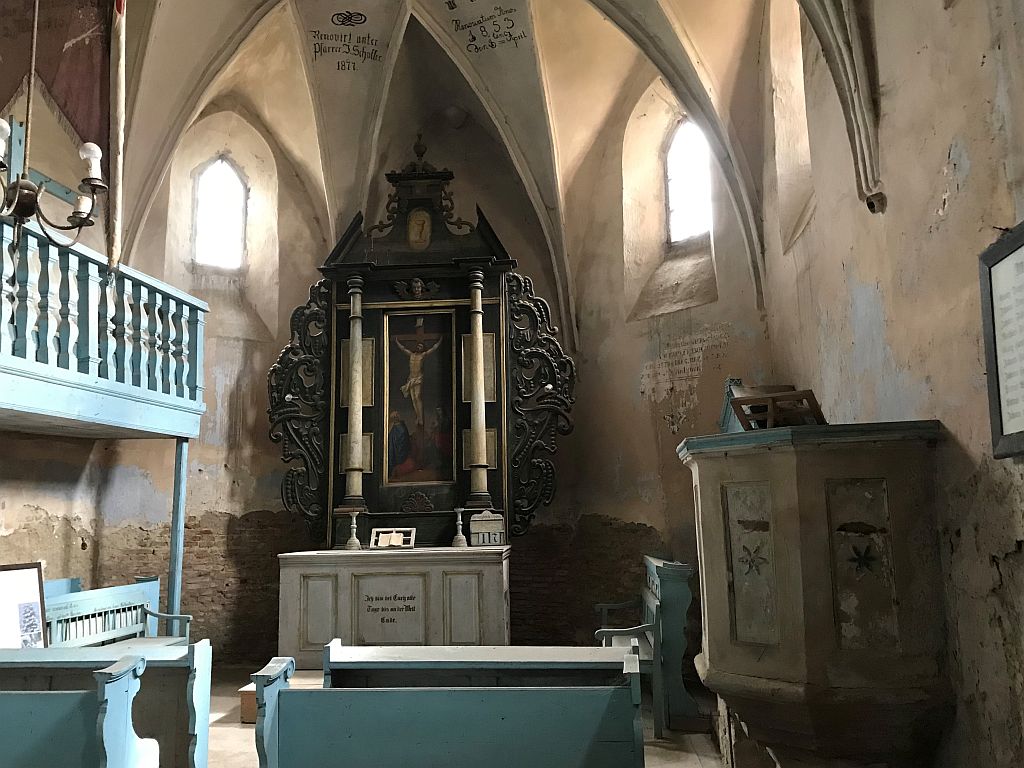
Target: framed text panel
(1002, 303)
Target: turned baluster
(49, 304)
(113, 325)
(163, 352)
(8, 264)
(26, 344)
(89, 340)
(148, 302)
(69, 331)
(184, 354)
(173, 346)
(129, 303)
(197, 330)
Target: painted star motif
(752, 560)
(863, 559)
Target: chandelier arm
(8, 209)
(40, 219)
(61, 227)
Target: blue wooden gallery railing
(90, 353)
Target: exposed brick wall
(558, 573)
(230, 574)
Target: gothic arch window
(221, 203)
(688, 184)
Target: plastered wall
(881, 314)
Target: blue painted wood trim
(896, 431)
(16, 149)
(177, 527)
(270, 682)
(53, 588)
(540, 727)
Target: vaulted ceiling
(544, 89)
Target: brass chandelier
(22, 197)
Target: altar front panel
(437, 596)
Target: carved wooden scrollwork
(543, 380)
(299, 397)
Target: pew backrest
(173, 705)
(58, 587)
(111, 614)
(589, 726)
(78, 728)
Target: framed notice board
(22, 606)
(1002, 304)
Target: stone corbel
(844, 45)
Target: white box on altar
(436, 596)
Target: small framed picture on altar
(1002, 305)
(393, 538)
(22, 606)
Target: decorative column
(479, 497)
(354, 502)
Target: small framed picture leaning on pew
(22, 606)
(1002, 306)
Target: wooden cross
(420, 336)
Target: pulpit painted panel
(863, 582)
(748, 510)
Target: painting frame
(34, 594)
(450, 330)
(1005, 443)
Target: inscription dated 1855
(487, 31)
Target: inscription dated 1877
(346, 50)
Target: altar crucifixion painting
(420, 387)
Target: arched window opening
(688, 175)
(221, 202)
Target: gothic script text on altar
(386, 604)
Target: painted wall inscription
(487, 30)
(682, 361)
(748, 519)
(341, 47)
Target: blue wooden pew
(112, 614)
(77, 728)
(173, 704)
(514, 726)
(661, 634)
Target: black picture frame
(38, 568)
(1004, 445)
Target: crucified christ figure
(413, 388)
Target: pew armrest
(604, 636)
(183, 620)
(117, 686)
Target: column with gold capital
(479, 496)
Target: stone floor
(232, 745)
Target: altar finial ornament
(459, 542)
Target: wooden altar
(460, 384)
